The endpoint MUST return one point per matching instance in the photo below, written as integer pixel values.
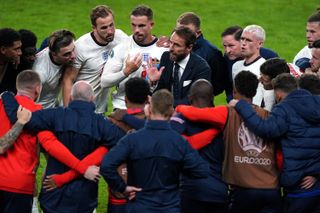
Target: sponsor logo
(251, 144)
(252, 160)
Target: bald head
(83, 91)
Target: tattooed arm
(10, 137)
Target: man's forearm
(69, 78)
(66, 93)
(10, 137)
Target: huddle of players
(107, 57)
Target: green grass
(283, 20)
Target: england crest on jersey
(107, 54)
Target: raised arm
(69, 77)
(136, 123)
(200, 140)
(10, 105)
(193, 165)
(118, 68)
(10, 137)
(216, 116)
(274, 126)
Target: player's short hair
(143, 10)
(246, 83)
(8, 36)
(59, 39)
(202, 90)
(162, 103)
(82, 90)
(257, 30)
(100, 11)
(274, 66)
(315, 17)
(185, 33)
(27, 80)
(189, 18)
(236, 31)
(29, 42)
(137, 90)
(284, 82)
(310, 83)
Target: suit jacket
(215, 60)
(196, 68)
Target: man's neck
(242, 97)
(146, 42)
(158, 117)
(98, 39)
(53, 60)
(26, 94)
(252, 58)
(202, 104)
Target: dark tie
(176, 81)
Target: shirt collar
(183, 62)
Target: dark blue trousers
(192, 206)
(15, 202)
(117, 208)
(255, 201)
(297, 205)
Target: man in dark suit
(179, 67)
(207, 51)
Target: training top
(249, 161)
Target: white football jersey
(303, 53)
(266, 95)
(113, 74)
(90, 61)
(50, 75)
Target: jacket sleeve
(218, 67)
(216, 116)
(40, 120)
(161, 84)
(200, 140)
(10, 105)
(94, 158)
(193, 165)
(203, 71)
(178, 124)
(116, 156)
(274, 126)
(111, 134)
(56, 149)
(133, 122)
